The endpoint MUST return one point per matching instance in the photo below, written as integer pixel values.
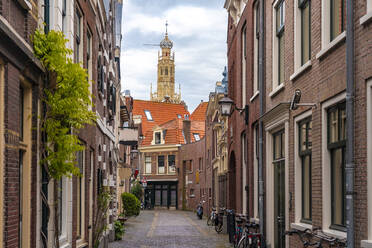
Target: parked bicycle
(307, 236)
(239, 228)
(211, 221)
(250, 239)
(219, 220)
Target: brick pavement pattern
(170, 229)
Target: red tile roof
(161, 113)
(199, 112)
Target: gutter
(349, 168)
(261, 193)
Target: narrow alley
(170, 229)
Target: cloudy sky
(198, 31)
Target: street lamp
(227, 108)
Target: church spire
(166, 89)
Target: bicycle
(250, 239)
(238, 229)
(307, 233)
(212, 218)
(219, 220)
(330, 240)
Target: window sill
(335, 233)
(254, 96)
(301, 226)
(277, 90)
(331, 45)
(366, 18)
(300, 70)
(366, 243)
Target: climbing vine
(68, 103)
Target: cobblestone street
(168, 229)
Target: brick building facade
(304, 147)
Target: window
(244, 64)
(101, 75)
(304, 6)
(256, 27)
(189, 166)
(179, 116)
(192, 193)
(166, 71)
(80, 195)
(305, 145)
(196, 136)
(280, 19)
(336, 118)
(148, 115)
(337, 18)
(161, 164)
(78, 37)
(64, 16)
(147, 165)
(200, 164)
(46, 16)
(157, 137)
(171, 163)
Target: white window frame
(298, 68)
(63, 236)
(164, 165)
(276, 87)
(171, 169)
(244, 65)
(368, 243)
(326, 169)
(146, 169)
(326, 43)
(298, 175)
(368, 16)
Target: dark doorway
(232, 182)
(161, 194)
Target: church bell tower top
(166, 42)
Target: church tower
(165, 91)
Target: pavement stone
(170, 229)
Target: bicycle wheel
(209, 221)
(218, 227)
(242, 243)
(237, 238)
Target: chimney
(186, 130)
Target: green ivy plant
(68, 104)
(67, 98)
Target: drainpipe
(261, 193)
(349, 170)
